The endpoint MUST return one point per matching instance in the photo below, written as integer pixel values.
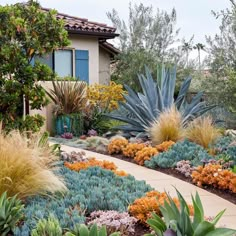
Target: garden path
(162, 182)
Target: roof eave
(100, 35)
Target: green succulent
(49, 227)
(177, 221)
(140, 109)
(83, 230)
(11, 211)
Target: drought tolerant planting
(157, 123)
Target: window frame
(72, 59)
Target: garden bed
(226, 194)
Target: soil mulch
(226, 194)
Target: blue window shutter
(82, 65)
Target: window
(62, 62)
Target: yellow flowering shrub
(106, 96)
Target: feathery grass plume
(168, 126)
(41, 148)
(202, 131)
(23, 169)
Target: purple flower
(92, 132)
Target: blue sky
(193, 16)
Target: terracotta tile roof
(84, 26)
(109, 47)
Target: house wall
(90, 44)
(99, 72)
(104, 66)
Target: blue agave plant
(140, 109)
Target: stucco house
(89, 55)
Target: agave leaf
(218, 216)
(222, 232)
(160, 225)
(168, 88)
(182, 92)
(102, 231)
(203, 228)
(198, 214)
(155, 226)
(93, 230)
(83, 230)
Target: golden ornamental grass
(23, 169)
(202, 131)
(167, 127)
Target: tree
(187, 47)
(222, 47)
(199, 47)
(26, 31)
(148, 38)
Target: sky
(194, 17)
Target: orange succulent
(117, 145)
(77, 166)
(151, 202)
(216, 176)
(163, 147)
(132, 148)
(145, 154)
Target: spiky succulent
(83, 230)
(177, 221)
(44, 227)
(11, 211)
(141, 109)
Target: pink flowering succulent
(67, 135)
(92, 132)
(184, 167)
(114, 221)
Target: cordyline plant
(140, 110)
(26, 31)
(68, 97)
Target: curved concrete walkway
(162, 182)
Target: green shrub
(11, 211)
(180, 151)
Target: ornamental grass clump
(203, 132)
(168, 126)
(24, 170)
